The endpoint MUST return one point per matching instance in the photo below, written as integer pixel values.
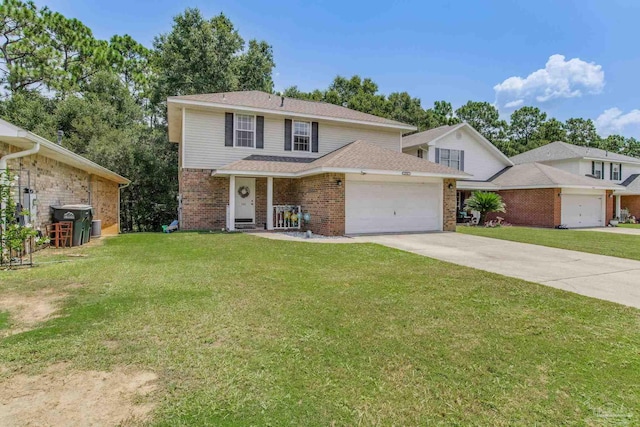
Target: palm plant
(484, 202)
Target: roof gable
(432, 136)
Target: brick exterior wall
(261, 203)
(611, 207)
(204, 200)
(321, 196)
(535, 207)
(632, 203)
(56, 183)
(449, 205)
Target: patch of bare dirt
(63, 397)
(26, 311)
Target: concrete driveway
(598, 276)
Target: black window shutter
(437, 155)
(610, 171)
(228, 129)
(287, 134)
(314, 137)
(462, 160)
(259, 131)
(620, 171)
(593, 168)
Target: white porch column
(618, 207)
(232, 203)
(269, 203)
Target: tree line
(109, 97)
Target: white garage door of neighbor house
(581, 210)
(391, 207)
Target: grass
(629, 225)
(611, 244)
(249, 331)
(4, 319)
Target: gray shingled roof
(358, 155)
(561, 151)
(267, 101)
(425, 137)
(632, 183)
(544, 176)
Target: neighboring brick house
(253, 160)
(605, 166)
(537, 191)
(55, 176)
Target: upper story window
(597, 169)
(245, 134)
(420, 153)
(616, 174)
(301, 136)
(451, 158)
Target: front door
(245, 200)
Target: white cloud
(558, 79)
(514, 104)
(613, 121)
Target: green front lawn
(248, 331)
(595, 242)
(629, 225)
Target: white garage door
(581, 210)
(392, 207)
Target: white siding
(205, 149)
(479, 161)
(583, 167)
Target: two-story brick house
(254, 160)
(609, 168)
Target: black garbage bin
(81, 217)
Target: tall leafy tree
(525, 126)
(255, 67)
(552, 130)
(581, 132)
(484, 118)
(203, 55)
(26, 56)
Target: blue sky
(569, 58)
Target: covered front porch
(252, 205)
(313, 203)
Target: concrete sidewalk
(608, 278)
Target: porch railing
(286, 217)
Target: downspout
(120, 187)
(3, 174)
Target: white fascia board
(365, 171)
(320, 170)
(290, 114)
(89, 166)
(226, 172)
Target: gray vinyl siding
(205, 149)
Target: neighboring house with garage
(607, 167)
(463, 148)
(47, 175)
(541, 191)
(254, 160)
